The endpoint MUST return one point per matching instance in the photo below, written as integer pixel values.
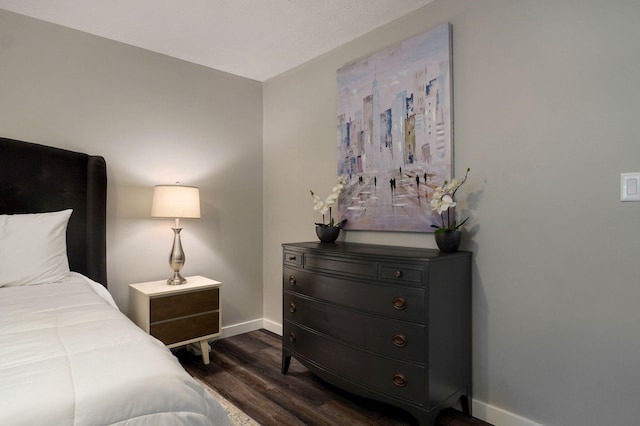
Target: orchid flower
(331, 200)
(443, 200)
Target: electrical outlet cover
(630, 186)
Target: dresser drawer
(292, 258)
(350, 267)
(184, 304)
(401, 302)
(398, 339)
(398, 273)
(394, 378)
(182, 329)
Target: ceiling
(257, 39)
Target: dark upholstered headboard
(36, 179)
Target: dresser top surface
(342, 248)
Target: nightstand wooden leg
(204, 348)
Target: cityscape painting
(394, 133)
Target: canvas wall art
(394, 131)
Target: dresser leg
(286, 360)
(464, 401)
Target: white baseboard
(497, 416)
(481, 410)
(243, 327)
(273, 327)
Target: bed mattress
(68, 356)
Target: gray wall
(156, 120)
(546, 105)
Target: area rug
(236, 416)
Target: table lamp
(176, 202)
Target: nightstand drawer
(185, 304)
(182, 329)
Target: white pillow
(33, 248)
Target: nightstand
(178, 315)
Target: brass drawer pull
(292, 307)
(399, 380)
(399, 303)
(292, 279)
(292, 337)
(399, 340)
(398, 274)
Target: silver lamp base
(176, 279)
(176, 259)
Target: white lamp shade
(176, 201)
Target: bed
(68, 356)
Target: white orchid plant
(443, 201)
(324, 206)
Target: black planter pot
(448, 241)
(327, 234)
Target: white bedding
(69, 357)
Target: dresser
(388, 323)
(180, 314)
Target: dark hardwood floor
(245, 369)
